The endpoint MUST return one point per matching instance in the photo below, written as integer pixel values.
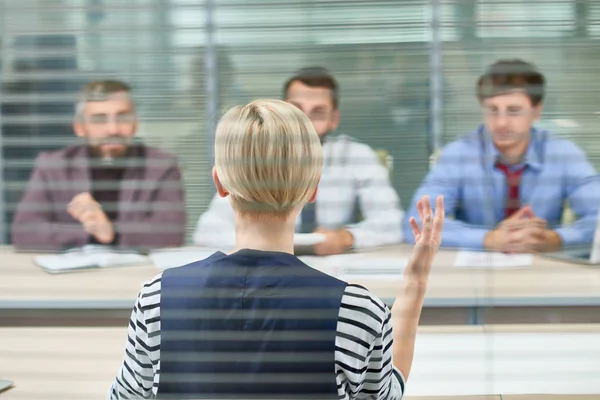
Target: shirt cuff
(115, 241)
(365, 237)
(572, 236)
(362, 239)
(467, 238)
(117, 234)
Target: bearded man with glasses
(107, 190)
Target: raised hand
(406, 310)
(428, 238)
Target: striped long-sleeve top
(363, 356)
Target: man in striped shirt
(257, 323)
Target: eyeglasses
(119, 119)
(319, 116)
(510, 113)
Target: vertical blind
(380, 51)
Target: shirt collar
(533, 156)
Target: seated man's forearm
(42, 235)
(151, 233)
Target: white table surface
(80, 363)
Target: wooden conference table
(519, 362)
(548, 291)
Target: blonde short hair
(268, 157)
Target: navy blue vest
(250, 325)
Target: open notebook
(5, 385)
(89, 257)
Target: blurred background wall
(407, 70)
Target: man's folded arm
(583, 195)
(33, 226)
(445, 179)
(379, 204)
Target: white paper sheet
(371, 268)
(359, 267)
(171, 258)
(89, 257)
(308, 239)
(486, 259)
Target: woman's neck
(264, 235)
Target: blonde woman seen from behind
(257, 322)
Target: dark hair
(507, 75)
(316, 77)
